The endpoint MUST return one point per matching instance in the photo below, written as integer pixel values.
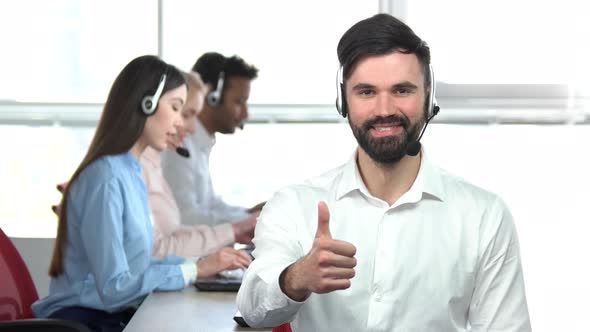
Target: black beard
(390, 149)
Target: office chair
(282, 328)
(18, 292)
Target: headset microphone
(183, 151)
(414, 147)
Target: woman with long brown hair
(102, 266)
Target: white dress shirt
(444, 257)
(191, 183)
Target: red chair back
(282, 328)
(17, 290)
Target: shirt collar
(201, 137)
(428, 182)
(429, 179)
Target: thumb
(323, 221)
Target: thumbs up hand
(327, 267)
(323, 230)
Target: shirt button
(376, 294)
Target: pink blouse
(170, 236)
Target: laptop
(226, 281)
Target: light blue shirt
(107, 260)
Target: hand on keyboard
(232, 274)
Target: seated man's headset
(215, 98)
(149, 106)
(433, 108)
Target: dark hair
(210, 64)
(120, 126)
(377, 35)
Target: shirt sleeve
(192, 241)
(189, 272)
(260, 300)
(499, 301)
(102, 231)
(192, 187)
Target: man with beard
(386, 242)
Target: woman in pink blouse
(172, 237)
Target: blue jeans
(96, 320)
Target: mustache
(395, 119)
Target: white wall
(36, 253)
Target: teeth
(383, 128)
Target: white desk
(189, 310)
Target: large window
(496, 61)
(74, 49)
(506, 49)
(293, 43)
(504, 41)
(71, 50)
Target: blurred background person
(225, 108)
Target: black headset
(149, 104)
(215, 98)
(341, 95)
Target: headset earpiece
(433, 108)
(149, 104)
(214, 98)
(340, 93)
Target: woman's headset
(149, 104)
